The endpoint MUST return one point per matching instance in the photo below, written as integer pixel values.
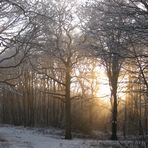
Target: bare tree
(58, 42)
(16, 33)
(109, 45)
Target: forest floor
(20, 137)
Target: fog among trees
(81, 67)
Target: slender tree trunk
(125, 120)
(67, 106)
(114, 74)
(140, 115)
(114, 117)
(145, 115)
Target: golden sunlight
(103, 92)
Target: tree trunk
(145, 116)
(67, 106)
(114, 117)
(125, 120)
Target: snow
(20, 137)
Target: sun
(93, 81)
(103, 92)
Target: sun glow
(92, 81)
(104, 92)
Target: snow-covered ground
(19, 137)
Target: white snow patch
(20, 137)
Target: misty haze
(73, 74)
